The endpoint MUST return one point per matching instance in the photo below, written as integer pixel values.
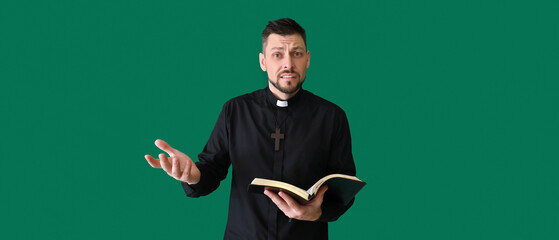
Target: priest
(282, 132)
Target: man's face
(286, 60)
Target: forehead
(287, 41)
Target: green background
(453, 108)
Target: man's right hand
(178, 166)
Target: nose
(287, 63)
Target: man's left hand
(310, 211)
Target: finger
(176, 168)
(152, 161)
(165, 163)
(276, 199)
(289, 200)
(165, 147)
(186, 171)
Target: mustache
(288, 71)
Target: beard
(289, 88)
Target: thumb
(320, 194)
(165, 147)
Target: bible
(341, 186)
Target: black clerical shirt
(316, 142)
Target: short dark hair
(283, 27)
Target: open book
(343, 187)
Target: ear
(308, 59)
(262, 61)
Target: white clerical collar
(281, 103)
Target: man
(281, 132)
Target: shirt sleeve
(341, 161)
(214, 160)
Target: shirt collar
(283, 104)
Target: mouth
(288, 76)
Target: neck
(281, 95)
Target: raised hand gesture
(178, 166)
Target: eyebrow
(282, 48)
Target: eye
(298, 54)
(276, 55)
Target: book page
(280, 185)
(314, 189)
